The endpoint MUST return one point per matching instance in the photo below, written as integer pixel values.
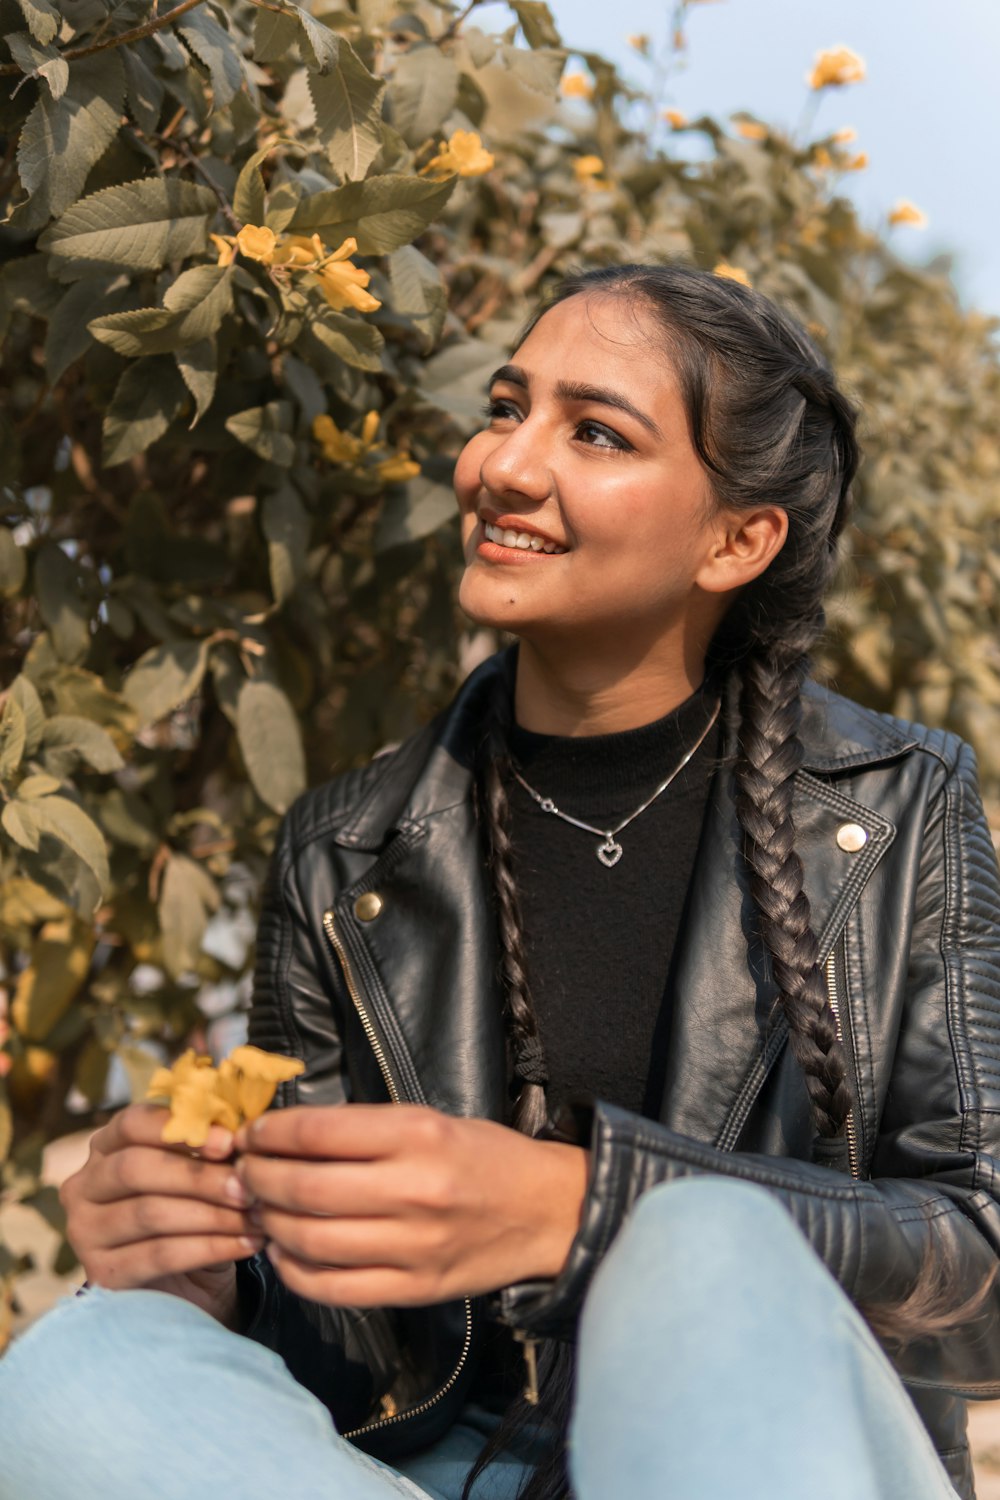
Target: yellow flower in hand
(835, 67)
(464, 154)
(201, 1096)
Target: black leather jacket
(397, 998)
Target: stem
(453, 29)
(188, 157)
(135, 35)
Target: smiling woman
(604, 1175)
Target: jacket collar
(433, 769)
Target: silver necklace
(609, 851)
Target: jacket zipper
(850, 1127)
(395, 1094)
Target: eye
(499, 410)
(596, 435)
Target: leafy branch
(121, 40)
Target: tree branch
(135, 35)
(453, 29)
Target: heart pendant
(610, 852)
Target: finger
(138, 1265)
(135, 1220)
(139, 1170)
(310, 1187)
(355, 1132)
(142, 1125)
(340, 1243)
(371, 1286)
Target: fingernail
(255, 1214)
(236, 1190)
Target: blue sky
(928, 113)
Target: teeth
(521, 541)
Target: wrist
(561, 1188)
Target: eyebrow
(571, 390)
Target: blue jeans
(717, 1357)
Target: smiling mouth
(522, 541)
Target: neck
(558, 694)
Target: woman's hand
(368, 1205)
(142, 1214)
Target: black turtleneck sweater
(599, 940)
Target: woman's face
(584, 505)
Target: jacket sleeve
(934, 1195)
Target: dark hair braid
(528, 1055)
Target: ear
(745, 542)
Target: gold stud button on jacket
(378, 964)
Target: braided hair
(771, 428)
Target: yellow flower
(905, 212)
(640, 42)
(821, 158)
(751, 130)
(226, 247)
(464, 154)
(297, 251)
(397, 468)
(676, 118)
(343, 283)
(338, 447)
(201, 1096)
(855, 163)
(844, 136)
(257, 243)
(835, 67)
(731, 273)
(576, 86)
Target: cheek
(467, 468)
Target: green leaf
(539, 71)
(57, 589)
(64, 820)
(417, 291)
(287, 526)
(348, 103)
(57, 971)
(537, 23)
(20, 825)
(270, 743)
(37, 61)
(421, 508)
(68, 337)
(266, 431)
(23, 693)
(142, 225)
(423, 92)
(39, 785)
(165, 677)
(319, 44)
(143, 89)
(214, 47)
(193, 309)
(199, 368)
(73, 737)
(249, 199)
(381, 213)
(188, 895)
(274, 36)
(13, 734)
(146, 400)
(356, 343)
(63, 138)
(42, 18)
(13, 565)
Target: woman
(755, 923)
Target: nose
(518, 466)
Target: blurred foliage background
(256, 262)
